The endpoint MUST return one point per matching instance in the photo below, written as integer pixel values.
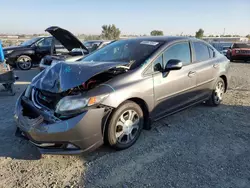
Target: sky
(173, 17)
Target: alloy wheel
(127, 126)
(24, 62)
(219, 91)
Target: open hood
(63, 76)
(67, 39)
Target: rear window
(241, 45)
(131, 51)
(201, 51)
(211, 52)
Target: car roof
(163, 38)
(97, 41)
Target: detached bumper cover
(83, 131)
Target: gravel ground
(198, 147)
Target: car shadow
(201, 139)
(241, 61)
(199, 134)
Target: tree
(89, 37)
(110, 32)
(199, 34)
(248, 36)
(156, 33)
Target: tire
(127, 128)
(217, 94)
(231, 59)
(24, 62)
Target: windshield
(136, 51)
(31, 41)
(243, 45)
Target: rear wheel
(217, 94)
(24, 62)
(125, 126)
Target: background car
(224, 50)
(93, 45)
(239, 51)
(75, 53)
(117, 91)
(74, 48)
(28, 53)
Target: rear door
(207, 68)
(175, 89)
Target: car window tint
(45, 42)
(133, 51)
(201, 51)
(211, 52)
(159, 60)
(180, 51)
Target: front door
(43, 48)
(175, 89)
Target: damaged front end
(59, 115)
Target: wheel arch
(224, 78)
(145, 110)
(143, 105)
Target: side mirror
(1, 53)
(173, 64)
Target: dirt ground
(198, 147)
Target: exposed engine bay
(97, 80)
(45, 100)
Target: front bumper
(11, 61)
(79, 134)
(241, 57)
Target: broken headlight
(78, 103)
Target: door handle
(191, 73)
(215, 65)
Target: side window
(211, 53)
(180, 51)
(45, 42)
(201, 51)
(159, 60)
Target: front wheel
(24, 62)
(217, 94)
(125, 126)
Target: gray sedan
(111, 95)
